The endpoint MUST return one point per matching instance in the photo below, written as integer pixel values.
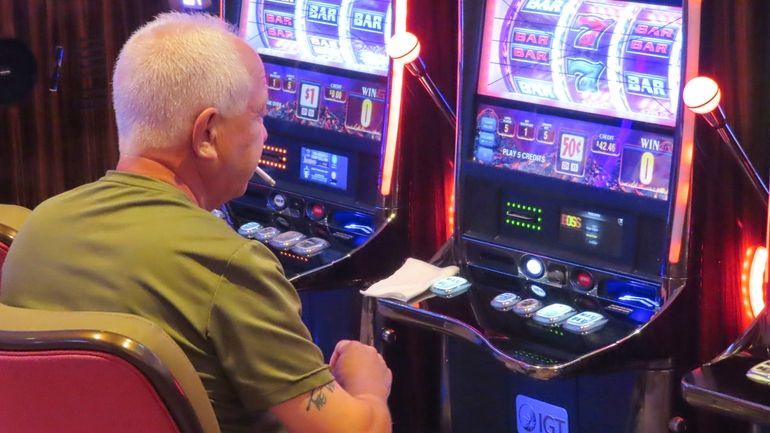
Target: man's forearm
(380, 421)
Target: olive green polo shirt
(133, 244)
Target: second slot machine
(572, 220)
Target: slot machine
(573, 180)
(333, 116)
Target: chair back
(68, 372)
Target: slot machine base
(485, 396)
(446, 384)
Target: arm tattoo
(318, 397)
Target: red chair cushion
(72, 391)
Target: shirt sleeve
(256, 329)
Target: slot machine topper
(573, 180)
(333, 115)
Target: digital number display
(571, 221)
(309, 95)
(324, 168)
(610, 57)
(335, 94)
(572, 154)
(365, 114)
(592, 232)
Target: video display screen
(348, 34)
(609, 57)
(591, 231)
(331, 102)
(324, 168)
(615, 158)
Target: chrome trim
(446, 325)
(7, 234)
(654, 406)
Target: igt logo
(535, 416)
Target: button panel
(505, 301)
(286, 240)
(249, 229)
(266, 233)
(310, 247)
(585, 322)
(554, 314)
(527, 307)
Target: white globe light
(404, 47)
(701, 95)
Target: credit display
(616, 158)
(347, 34)
(614, 58)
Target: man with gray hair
(189, 100)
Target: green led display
(523, 216)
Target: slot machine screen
(336, 39)
(328, 77)
(604, 78)
(609, 57)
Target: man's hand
(360, 370)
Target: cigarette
(264, 176)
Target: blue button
(486, 139)
(488, 124)
(484, 154)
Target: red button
(317, 211)
(584, 280)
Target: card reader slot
(521, 216)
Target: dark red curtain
(427, 137)
(54, 141)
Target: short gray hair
(169, 71)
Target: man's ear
(204, 134)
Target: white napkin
(411, 279)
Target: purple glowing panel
(609, 57)
(602, 156)
(347, 34)
(332, 102)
